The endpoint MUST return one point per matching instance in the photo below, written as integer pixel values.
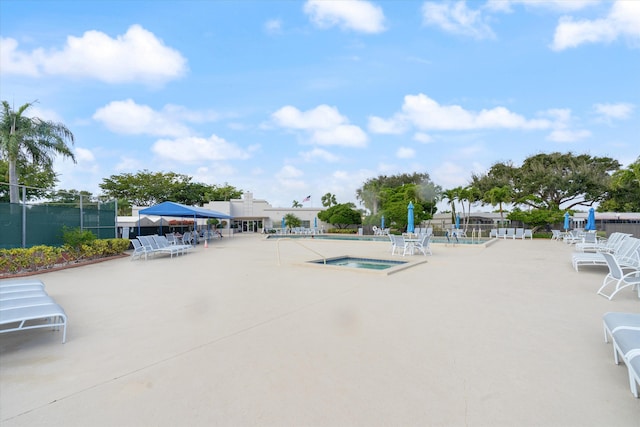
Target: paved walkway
(508, 335)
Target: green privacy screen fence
(23, 225)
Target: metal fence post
(24, 216)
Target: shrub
(44, 257)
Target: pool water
(366, 263)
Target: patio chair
(527, 233)
(633, 365)
(556, 235)
(398, 243)
(139, 249)
(614, 321)
(519, 233)
(618, 278)
(28, 308)
(510, 233)
(622, 249)
(574, 236)
(589, 242)
(626, 345)
(502, 232)
(12, 283)
(423, 245)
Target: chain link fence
(42, 221)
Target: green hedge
(13, 261)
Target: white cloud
(394, 126)
(618, 111)
(127, 117)
(568, 135)
(623, 20)
(318, 153)
(83, 155)
(422, 137)
(136, 56)
(323, 124)
(405, 153)
(290, 178)
(456, 18)
(196, 149)
(450, 175)
(128, 164)
(273, 26)
(355, 15)
(555, 5)
(425, 113)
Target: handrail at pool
(324, 259)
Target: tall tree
(341, 215)
(499, 196)
(329, 200)
(31, 140)
(549, 180)
(147, 188)
(372, 192)
(624, 191)
(296, 204)
(37, 179)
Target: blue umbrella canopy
(315, 222)
(566, 221)
(457, 221)
(382, 222)
(591, 220)
(283, 224)
(410, 220)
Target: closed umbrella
(315, 223)
(457, 221)
(566, 221)
(591, 220)
(283, 224)
(382, 222)
(410, 220)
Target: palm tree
(296, 204)
(329, 200)
(498, 196)
(30, 139)
(451, 195)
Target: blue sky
(288, 99)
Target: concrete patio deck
(508, 335)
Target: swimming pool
(367, 263)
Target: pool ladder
(324, 259)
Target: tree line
(536, 190)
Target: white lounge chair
(27, 316)
(519, 233)
(624, 250)
(527, 233)
(510, 233)
(626, 344)
(423, 245)
(613, 321)
(618, 278)
(139, 249)
(10, 283)
(633, 365)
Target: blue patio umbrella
(315, 222)
(566, 221)
(283, 224)
(591, 220)
(457, 221)
(410, 220)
